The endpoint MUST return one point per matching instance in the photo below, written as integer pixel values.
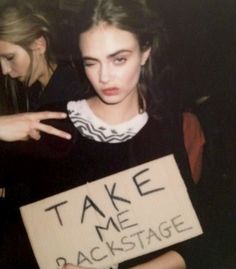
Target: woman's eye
(120, 60)
(87, 64)
(10, 57)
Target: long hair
(21, 24)
(135, 17)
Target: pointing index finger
(47, 115)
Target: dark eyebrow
(87, 58)
(109, 56)
(118, 52)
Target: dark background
(203, 48)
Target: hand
(27, 125)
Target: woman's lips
(110, 91)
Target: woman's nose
(105, 74)
(5, 68)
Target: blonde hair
(22, 25)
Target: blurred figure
(27, 53)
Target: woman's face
(15, 61)
(112, 60)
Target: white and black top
(92, 127)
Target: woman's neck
(114, 113)
(46, 76)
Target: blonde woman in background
(27, 56)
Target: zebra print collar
(92, 127)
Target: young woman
(123, 124)
(119, 42)
(27, 54)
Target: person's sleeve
(194, 141)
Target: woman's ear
(39, 45)
(145, 55)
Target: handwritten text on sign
(113, 219)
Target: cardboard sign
(113, 219)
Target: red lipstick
(110, 91)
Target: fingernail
(68, 136)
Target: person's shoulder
(192, 126)
(66, 69)
(58, 106)
(190, 118)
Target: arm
(169, 260)
(27, 125)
